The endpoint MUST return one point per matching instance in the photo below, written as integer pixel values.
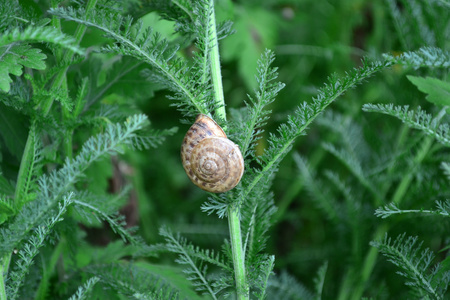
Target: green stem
(216, 74)
(68, 149)
(238, 253)
(233, 212)
(404, 185)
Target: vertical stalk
(233, 211)
(238, 253)
(216, 74)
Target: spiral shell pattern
(212, 162)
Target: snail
(212, 162)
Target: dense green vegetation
(341, 111)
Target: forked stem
(238, 253)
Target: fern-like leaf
(116, 221)
(281, 143)
(284, 286)
(189, 255)
(141, 43)
(318, 190)
(424, 57)
(319, 280)
(419, 120)
(257, 114)
(52, 187)
(40, 34)
(415, 264)
(83, 291)
(260, 284)
(353, 165)
(6, 208)
(134, 281)
(29, 161)
(443, 209)
(31, 248)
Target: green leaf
(438, 91)
(41, 34)
(14, 57)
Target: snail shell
(212, 162)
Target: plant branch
(306, 114)
(215, 66)
(238, 253)
(139, 52)
(234, 222)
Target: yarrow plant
(68, 132)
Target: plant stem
(234, 222)
(238, 253)
(68, 144)
(216, 74)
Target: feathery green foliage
(31, 249)
(419, 120)
(14, 55)
(415, 265)
(443, 209)
(57, 183)
(319, 280)
(194, 259)
(41, 34)
(424, 57)
(83, 291)
(134, 281)
(141, 43)
(285, 286)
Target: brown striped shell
(212, 162)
